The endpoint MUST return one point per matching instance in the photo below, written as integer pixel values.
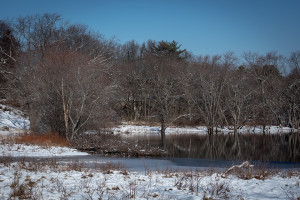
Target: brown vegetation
(43, 139)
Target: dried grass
(46, 139)
(108, 167)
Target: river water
(187, 163)
(252, 147)
(185, 152)
(144, 164)
(281, 151)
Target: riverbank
(132, 128)
(11, 144)
(55, 179)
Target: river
(144, 164)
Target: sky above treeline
(205, 27)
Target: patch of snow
(13, 118)
(21, 150)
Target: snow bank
(137, 129)
(21, 150)
(13, 118)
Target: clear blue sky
(201, 26)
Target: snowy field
(38, 181)
(51, 180)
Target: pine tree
(165, 48)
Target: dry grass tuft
(45, 139)
(7, 139)
(109, 167)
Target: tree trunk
(145, 109)
(264, 129)
(235, 129)
(34, 120)
(163, 132)
(66, 110)
(210, 130)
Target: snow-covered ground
(21, 150)
(45, 182)
(12, 118)
(141, 129)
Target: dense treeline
(71, 79)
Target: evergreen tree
(165, 48)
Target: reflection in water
(272, 147)
(185, 151)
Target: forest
(71, 79)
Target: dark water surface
(253, 147)
(143, 164)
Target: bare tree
(238, 99)
(84, 92)
(132, 78)
(166, 91)
(36, 32)
(292, 92)
(66, 71)
(75, 85)
(238, 93)
(267, 87)
(294, 60)
(209, 88)
(151, 81)
(165, 63)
